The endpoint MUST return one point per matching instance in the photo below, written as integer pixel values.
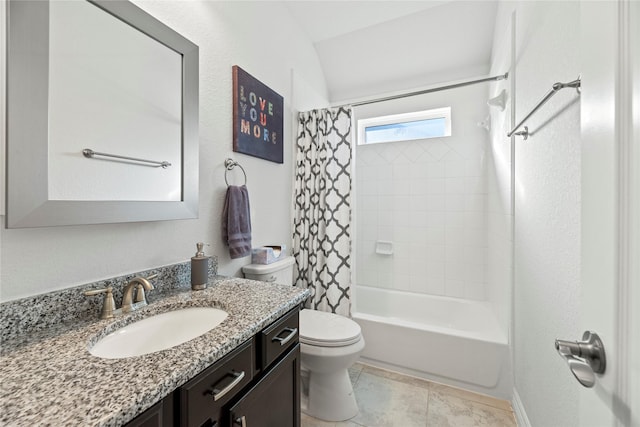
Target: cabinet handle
(241, 420)
(285, 340)
(218, 394)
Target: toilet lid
(327, 330)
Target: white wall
(262, 38)
(429, 198)
(444, 42)
(499, 182)
(547, 209)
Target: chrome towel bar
(554, 89)
(89, 154)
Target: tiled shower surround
(428, 197)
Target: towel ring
(229, 165)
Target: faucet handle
(109, 305)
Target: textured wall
(547, 210)
(262, 38)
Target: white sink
(158, 332)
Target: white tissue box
(268, 254)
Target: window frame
(434, 113)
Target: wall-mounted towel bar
(89, 154)
(230, 164)
(555, 88)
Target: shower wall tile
(455, 185)
(435, 286)
(386, 188)
(455, 203)
(436, 185)
(369, 204)
(385, 218)
(372, 218)
(475, 220)
(368, 188)
(455, 220)
(475, 291)
(386, 233)
(385, 202)
(402, 266)
(401, 187)
(435, 218)
(454, 288)
(403, 173)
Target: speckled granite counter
(48, 377)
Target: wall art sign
(257, 118)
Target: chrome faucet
(141, 284)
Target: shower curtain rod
(435, 89)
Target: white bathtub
(448, 340)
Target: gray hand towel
(236, 221)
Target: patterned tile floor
(388, 399)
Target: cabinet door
(159, 415)
(275, 400)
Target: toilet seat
(324, 329)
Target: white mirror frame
(28, 204)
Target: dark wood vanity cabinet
(255, 385)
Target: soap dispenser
(199, 269)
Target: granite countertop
(50, 378)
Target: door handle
(585, 358)
(242, 421)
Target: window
(434, 123)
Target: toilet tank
(278, 272)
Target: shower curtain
(322, 208)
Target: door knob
(585, 358)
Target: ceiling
(369, 48)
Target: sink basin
(158, 332)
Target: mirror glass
(102, 115)
(112, 89)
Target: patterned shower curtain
(322, 208)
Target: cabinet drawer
(202, 398)
(278, 338)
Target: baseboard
(518, 410)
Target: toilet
(329, 345)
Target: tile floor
(389, 399)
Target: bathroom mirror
(102, 115)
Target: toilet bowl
(329, 345)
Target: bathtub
(448, 340)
